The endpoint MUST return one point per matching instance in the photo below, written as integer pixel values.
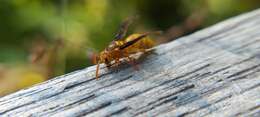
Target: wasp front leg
(97, 70)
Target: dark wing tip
(123, 28)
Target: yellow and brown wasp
(122, 47)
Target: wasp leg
(117, 63)
(97, 71)
(109, 65)
(132, 62)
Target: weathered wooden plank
(213, 72)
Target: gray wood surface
(213, 72)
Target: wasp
(122, 47)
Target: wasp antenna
(91, 55)
(94, 59)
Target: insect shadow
(140, 58)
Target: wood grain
(213, 72)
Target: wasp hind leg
(133, 63)
(116, 64)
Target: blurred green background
(41, 39)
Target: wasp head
(104, 57)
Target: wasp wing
(132, 41)
(123, 28)
(127, 44)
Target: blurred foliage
(30, 28)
